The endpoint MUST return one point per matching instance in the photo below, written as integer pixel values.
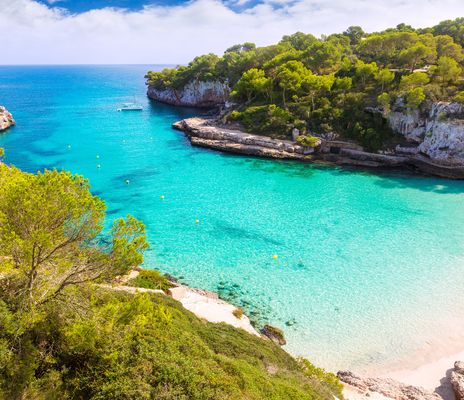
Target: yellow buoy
(197, 221)
(162, 197)
(275, 257)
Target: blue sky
(174, 31)
(78, 6)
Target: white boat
(130, 107)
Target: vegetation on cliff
(64, 336)
(344, 83)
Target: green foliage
(414, 80)
(414, 98)
(366, 71)
(150, 279)
(270, 120)
(384, 77)
(459, 97)
(447, 70)
(384, 101)
(308, 140)
(50, 225)
(253, 83)
(319, 373)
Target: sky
(175, 31)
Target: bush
(238, 313)
(268, 120)
(150, 279)
(308, 141)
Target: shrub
(308, 141)
(238, 313)
(150, 279)
(459, 97)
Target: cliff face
(6, 119)
(439, 135)
(194, 94)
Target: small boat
(130, 107)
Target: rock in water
(275, 334)
(6, 119)
(387, 387)
(457, 380)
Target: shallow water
(369, 268)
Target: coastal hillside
(379, 89)
(67, 333)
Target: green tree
(50, 225)
(411, 81)
(252, 83)
(416, 54)
(446, 71)
(355, 34)
(290, 77)
(384, 101)
(414, 98)
(384, 77)
(365, 71)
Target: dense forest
(345, 83)
(66, 334)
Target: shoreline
(426, 372)
(208, 133)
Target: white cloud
(36, 33)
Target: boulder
(275, 334)
(6, 119)
(387, 387)
(457, 380)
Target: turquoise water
(369, 266)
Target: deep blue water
(369, 265)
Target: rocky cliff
(195, 94)
(438, 132)
(6, 119)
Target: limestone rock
(387, 387)
(275, 334)
(6, 119)
(440, 135)
(457, 380)
(195, 94)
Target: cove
(369, 268)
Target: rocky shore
(6, 119)
(208, 132)
(451, 387)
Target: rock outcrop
(439, 134)
(205, 94)
(207, 132)
(457, 380)
(275, 334)
(387, 387)
(6, 119)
